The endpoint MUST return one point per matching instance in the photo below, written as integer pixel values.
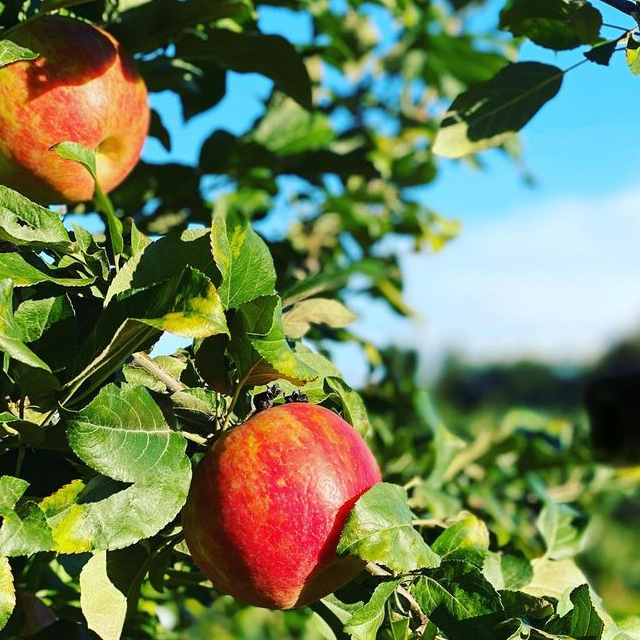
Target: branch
(143, 361)
(419, 614)
(626, 6)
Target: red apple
(268, 503)
(82, 88)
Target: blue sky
(548, 271)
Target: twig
(419, 614)
(143, 361)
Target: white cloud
(558, 280)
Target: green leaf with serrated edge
(24, 530)
(365, 622)
(489, 113)
(7, 592)
(94, 256)
(87, 158)
(507, 570)
(188, 306)
(379, 529)
(259, 346)
(27, 270)
(521, 605)
(582, 622)
(165, 259)
(34, 317)
(11, 334)
(11, 52)
(26, 224)
(253, 52)
(287, 129)
(103, 605)
(556, 524)
(459, 600)
(554, 24)
(242, 258)
(123, 435)
(331, 313)
(353, 407)
(553, 578)
(632, 54)
(197, 404)
(467, 540)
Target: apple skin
(82, 88)
(268, 503)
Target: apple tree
(471, 534)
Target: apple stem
(376, 570)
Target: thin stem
(232, 404)
(614, 26)
(143, 361)
(416, 610)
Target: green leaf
(164, 259)
(365, 622)
(556, 524)
(332, 313)
(379, 529)
(287, 129)
(507, 570)
(7, 591)
(123, 435)
(490, 113)
(149, 26)
(602, 52)
(259, 346)
(26, 224)
(103, 605)
(582, 622)
(242, 258)
(521, 605)
(87, 158)
(11, 333)
(355, 413)
(253, 52)
(633, 55)
(35, 317)
(11, 52)
(24, 529)
(554, 24)
(467, 540)
(188, 306)
(27, 270)
(29, 433)
(459, 600)
(554, 578)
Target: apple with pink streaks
(268, 503)
(81, 88)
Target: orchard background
(503, 501)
